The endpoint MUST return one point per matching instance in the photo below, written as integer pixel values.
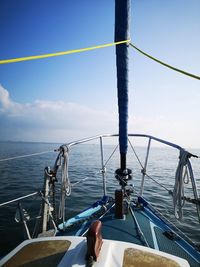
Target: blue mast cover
(122, 21)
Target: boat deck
(121, 229)
(48, 253)
(141, 226)
(71, 251)
(155, 236)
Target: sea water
(24, 175)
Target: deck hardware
(171, 235)
(94, 242)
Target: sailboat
(122, 229)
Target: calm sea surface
(22, 176)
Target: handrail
(100, 138)
(81, 141)
(144, 167)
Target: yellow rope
(13, 60)
(166, 65)
(6, 61)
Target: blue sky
(74, 96)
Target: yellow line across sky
(13, 60)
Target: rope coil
(181, 178)
(65, 181)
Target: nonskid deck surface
(155, 236)
(142, 227)
(160, 237)
(46, 252)
(120, 229)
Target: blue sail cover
(122, 18)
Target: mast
(122, 22)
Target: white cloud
(6, 104)
(58, 121)
(45, 120)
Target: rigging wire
(137, 157)
(26, 156)
(111, 155)
(19, 198)
(181, 178)
(165, 64)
